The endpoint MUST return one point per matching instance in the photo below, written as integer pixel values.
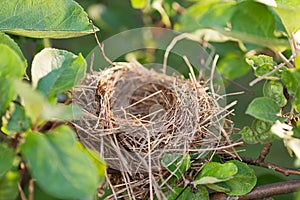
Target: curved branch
(264, 191)
(283, 170)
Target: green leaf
(233, 65)
(58, 165)
(7, 156)
(291, 79)
(214, 172)
(264, 108)
(18, 122)
(258, 133)
(38, 109)
(248, 135)
(274, 90)
(297, 62)
(33, 101)
(176, 164)
(139, 4)
(97, 160)
(54, 71)
(248, 21)
(200, 193)
(9, 185)
(219, 187)
(288, 10)
(261, 131)
(11, 67)
(44, 19)
(263, 64)
(296, 130)
(5, 39)
(244, 181)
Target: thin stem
(46, 42)
(101, 46)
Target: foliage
(247, 34)
(60, 167)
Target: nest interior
(133, 116)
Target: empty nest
(133, 116)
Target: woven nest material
(133, 116)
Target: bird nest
(134, 116)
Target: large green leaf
(264, 108)
(214, 172)
(7, 156)
(288, 11)
(247, 21)
(54, 71)
(5, 39)
(244, 181)
(9, 185)
(44, 18)
(58, 165)
(11, 67)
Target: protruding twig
(101, 46)
(170, 47)
(271, 72)
(285, 60)
(264, 152)
(283, 170)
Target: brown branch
(263, 191)
(264, 152)
(269, 190)
(283, 170)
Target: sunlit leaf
(138, 4)
(11, 67)
(44, 19)
(97, 160)
(214, 172)
(247, 21)
(54, 71)
(58, 165)
(5, 39)
(33, 101)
